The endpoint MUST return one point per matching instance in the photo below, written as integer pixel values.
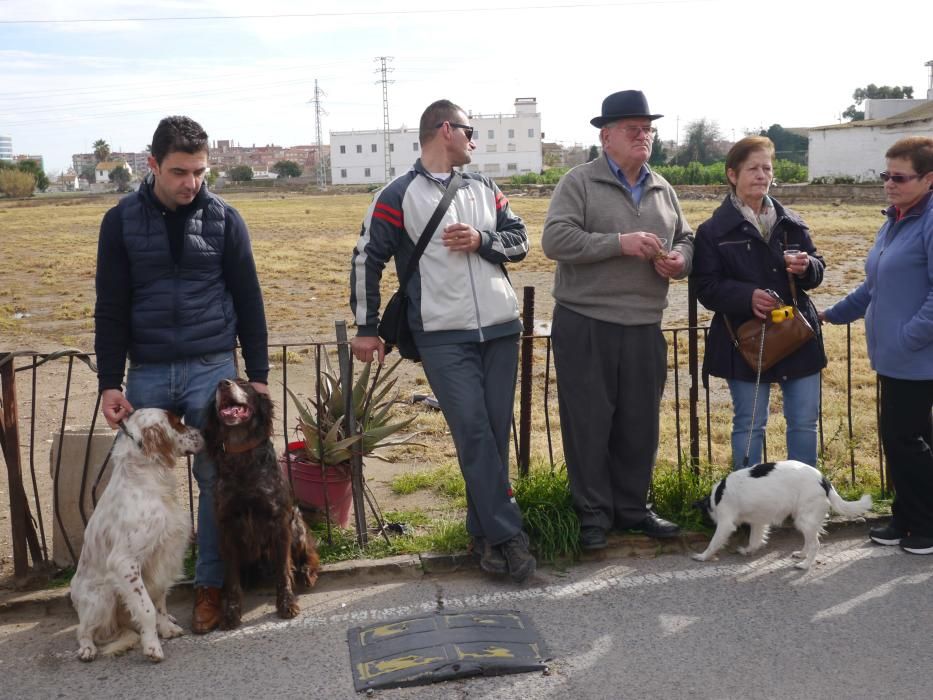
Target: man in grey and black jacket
(463, 314)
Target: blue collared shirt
(638, 188)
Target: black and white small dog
(765, 495)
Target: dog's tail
(127, 640)
(850, 509)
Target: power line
(260, 73)
(146, 96)
(372, 13)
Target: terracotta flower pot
(327, 492)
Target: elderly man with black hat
(619, 236)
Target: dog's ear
(157, 444)
(265, 412)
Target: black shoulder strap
(428, 232)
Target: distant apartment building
(6, 148)
(138, 162)
(506, 144)
(557, 155)
(38, 160)
(224, 154)
(81, 161)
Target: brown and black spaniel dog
(257, 517)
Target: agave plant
(321, 417)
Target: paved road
(857, 626)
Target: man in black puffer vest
(176, 286)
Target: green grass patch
(62, 578)
(550, 519)
(407, 517)
(444, 536)
(673, 492)
(191, 560)
(446, 481)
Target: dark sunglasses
(899, 179)
(468, 130)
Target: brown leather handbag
(785, 331)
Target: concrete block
(67, 488)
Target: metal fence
(692, 428)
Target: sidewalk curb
(417, 566)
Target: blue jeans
(801, 411)
(185, 387)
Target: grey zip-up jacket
(454, 296)
(588, 211)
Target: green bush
(16, 183)
(550, 176)
(696, 173)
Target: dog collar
(245, 447)
(126, 432)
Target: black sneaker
(917, 544)
(491, 559)
(888, 535)
(521, 562)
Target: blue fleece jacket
(896, 298)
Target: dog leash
(125, 431)
(761, 354)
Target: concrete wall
(67, 495)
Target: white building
(102, 170)
(6, 148)
(856, 149)
(506, 144)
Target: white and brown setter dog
(257, 516)
(135, 541)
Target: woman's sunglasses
(898, 179)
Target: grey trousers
(610, 379)
(475, 386)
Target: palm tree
(101, 150)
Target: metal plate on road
(443, 646)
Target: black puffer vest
(183, 309)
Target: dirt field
(302, 246)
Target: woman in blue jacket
(896, 300)
(739, 257)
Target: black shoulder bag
(393, 326)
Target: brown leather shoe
(207, 609)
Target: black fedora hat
(620, 105)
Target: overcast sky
(115, 68)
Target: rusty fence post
(527, 354)
(21, 522)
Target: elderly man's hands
(641, 244)
(670, 265)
